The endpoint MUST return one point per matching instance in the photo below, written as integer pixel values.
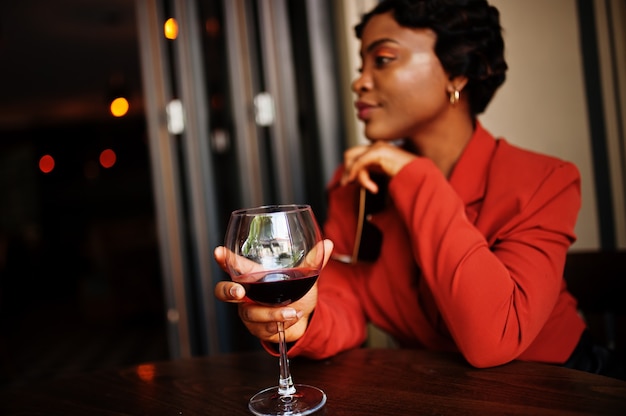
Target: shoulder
(523, 181)
(525, 175)
(526, 166)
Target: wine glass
(276, 253)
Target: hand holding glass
(276, 253)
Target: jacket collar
(469, 176)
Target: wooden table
(361, 382)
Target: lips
(364, 110)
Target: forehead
(383, 27)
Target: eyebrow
(377, 42)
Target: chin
(375, 135)
(379, 137)
(372, 136)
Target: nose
(362, 83)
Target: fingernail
(289, 313)
(234, 291)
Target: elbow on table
(486, 358)
(487, 362)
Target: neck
(444, 142)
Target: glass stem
(285, 383)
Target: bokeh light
(170, 28)
(119, 107)
(46, 163)
(107, 158)
(146, 372)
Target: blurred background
(109, 214)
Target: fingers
(319, 254)
(255, 313)
(364, 178)
(231, 263)
(220, 256)
(229, 292)
(328, 251)
(261, 320)
(350, 158)
(379, 157)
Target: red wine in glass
(279, 288)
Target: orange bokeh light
(119, 107)
(146, 372)
(107, 158)
(170, 28)
(46, 163)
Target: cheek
(424, 84)
(416, 100)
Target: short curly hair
(469, 40)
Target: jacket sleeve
(495, 280)
(338, 321)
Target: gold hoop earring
(455, 96)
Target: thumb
(328, 250)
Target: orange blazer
(473, 263)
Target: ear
(456, 84)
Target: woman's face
(402, 89)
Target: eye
(382, 60)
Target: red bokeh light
(46, 163)
(107, 158)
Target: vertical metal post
(244, 82)
(278, 66)
(166, 181)
(199, 170)
(325, 86)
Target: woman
(466, 247)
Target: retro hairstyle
(469, 40)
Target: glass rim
(271, 209)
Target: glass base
(306, 400)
